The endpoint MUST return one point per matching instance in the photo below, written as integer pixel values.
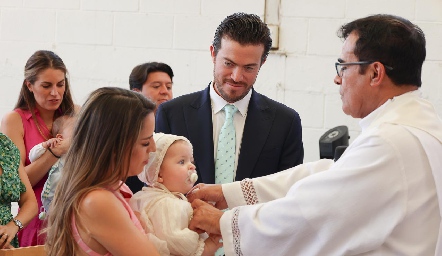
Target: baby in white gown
(162, 207)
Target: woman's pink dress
(29, 236)
(123, 195)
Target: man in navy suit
(268, 133)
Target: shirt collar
(218, 102)
(365, 122)
(28, 113)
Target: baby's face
(177, 168)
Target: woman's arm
(28, 208)
(12, 126)
(28, 202)
(109, 226)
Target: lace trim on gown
(249, 192)
(236, 233)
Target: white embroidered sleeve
(270, 187)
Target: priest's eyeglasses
(341, 66)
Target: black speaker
(333, 138)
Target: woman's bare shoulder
(11, 123)
(97, 199)
(11, 117)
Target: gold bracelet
(50, 150)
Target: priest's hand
(205, 218)
(211, 193)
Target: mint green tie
(225, 154)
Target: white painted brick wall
(359, 8)
(109, 5)
(428, 10)
(52, 4)
(298, 69)
(191, 32)
(171, 6)
(433, 37)
(313, 9)
(102, 40)
(271, 78)
(293, 35)
(10, 3)
(226, 7)
(27, 25)
(90, 27)
(320, 29)
(310, 106)
(143, 30)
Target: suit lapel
(198, 116)
(256, 129)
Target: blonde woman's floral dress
(10, 184)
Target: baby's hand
(52, 143)
(61, 147)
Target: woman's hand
(7, 233)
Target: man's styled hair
(245, 29)
(391, 40)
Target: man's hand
(212, 194)
(205, 218)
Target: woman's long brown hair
(106, 130)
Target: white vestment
(379, 198)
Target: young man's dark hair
(245, 29)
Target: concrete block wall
(101, 41)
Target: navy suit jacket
(271, 141)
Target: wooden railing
(24, 251)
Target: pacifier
(193, 177)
